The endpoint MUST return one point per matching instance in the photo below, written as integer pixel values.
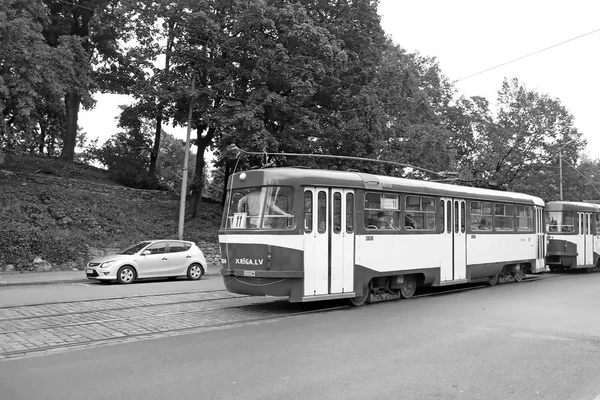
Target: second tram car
(318, 234)
(573, 230)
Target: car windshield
(134, 249)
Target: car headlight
(107, 264)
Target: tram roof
(572, 206)
(358, 180)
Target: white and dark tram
(316, 234)
(573, 230)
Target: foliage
(69, 215)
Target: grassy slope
(43, 214)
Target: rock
(41, 265)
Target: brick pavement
(45, 329)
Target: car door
(156, 263)
(179, 258)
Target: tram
(573, 230)
(317, 234)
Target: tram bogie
(312, 235)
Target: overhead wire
(528, 55)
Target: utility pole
(185, 165)
(560, 167)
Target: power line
(75, 5)
(528, 55)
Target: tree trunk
(156, 148)
(42, 137)
(198, 182)
(72, 102)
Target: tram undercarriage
(383, 288)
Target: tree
(518, 147)
(32, 78)
(89, 34)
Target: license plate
(249, 273)
(90, 271)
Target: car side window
(177, 247)
(158, 248)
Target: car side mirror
(146, 252)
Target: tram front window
(270, 207)
(560, 221)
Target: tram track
(27, 335)
(36, 310)
(94, 322)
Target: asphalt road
(528, 340)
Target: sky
(467, 37)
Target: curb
(58, 281)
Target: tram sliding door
(540, 262)
(585, 255)
(316, 242)
(454, 251)
(342, 241)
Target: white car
(150, 259)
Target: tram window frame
(528, 218)
(420, 212)
(321, 211)
(504, 214)
(270, 198)
(382, 202)
(448, 216)
(308, 211)
(337, 213)
(481, 214)
(556, 222)
(349, 212)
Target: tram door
(585, 255)
(454, 252)
(328, 241)
(540, 262)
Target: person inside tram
(483, 225)
(381, 221)
(251, 205)
(409, 222)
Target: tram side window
(419, 213)
(597, 223)
(308, 211)
(504, 217)
(524, 218)
(349, 212)
(481, 216)
(382, 210)
(322, 211)
(337, 212)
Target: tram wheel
(360, 300)
(409, 288)
(520, 274)
(493, 280)
(589, 270)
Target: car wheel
(126, 274)
(195, 272)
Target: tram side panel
(489, 253)
(399, 254)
